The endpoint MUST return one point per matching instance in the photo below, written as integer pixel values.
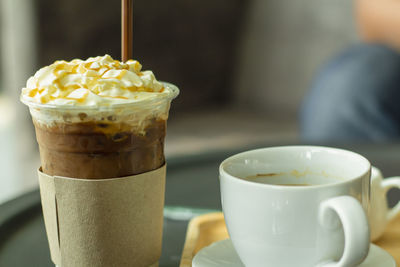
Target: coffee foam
(135, 118)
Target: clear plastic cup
(102, 142)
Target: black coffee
(287, 179)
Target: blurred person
(356, 96)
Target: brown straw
(127, 30)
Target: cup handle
(355, 228)
(387, 184)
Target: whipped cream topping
(97, 81)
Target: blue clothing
(355, 97)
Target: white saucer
(222, 254)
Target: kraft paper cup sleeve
(104, 222)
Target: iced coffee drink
(98, 118)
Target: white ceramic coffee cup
(302, 226)
(380, 215)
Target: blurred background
(243, 66)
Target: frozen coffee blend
(98, 118)
(100, 125)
